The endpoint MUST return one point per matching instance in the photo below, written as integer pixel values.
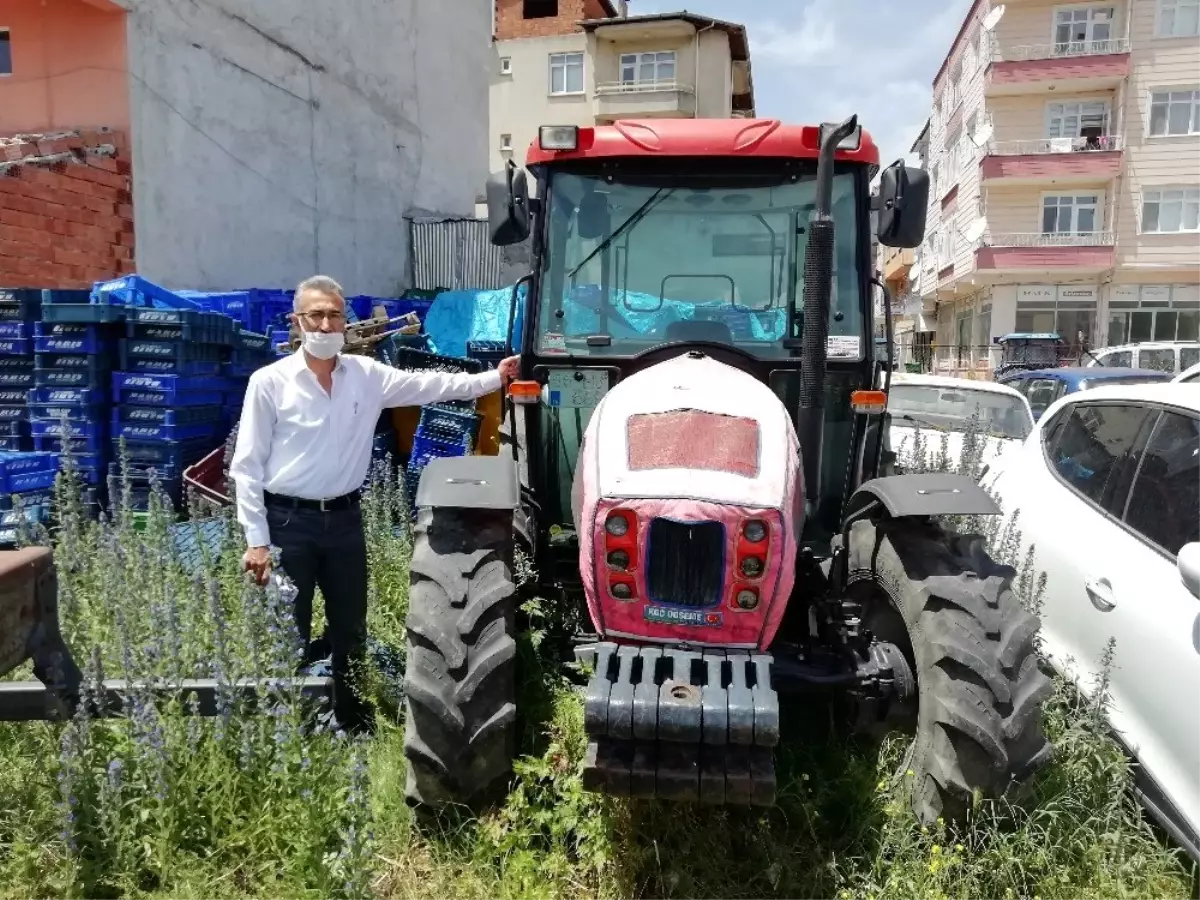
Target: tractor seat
(684, 331)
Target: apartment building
(1064, 149)
(588, 62)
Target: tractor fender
(470, 482)
(928, 494)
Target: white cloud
(813, 39)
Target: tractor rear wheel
(977, 724)
(460, 676)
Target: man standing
(302, 453)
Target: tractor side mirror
(903, 202)
(508, 206)
(594, 219)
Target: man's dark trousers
(328, 550)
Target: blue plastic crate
(157, 415)
(195, 370)
(53, 428)
(172, 385)
(71, 329)
(32, 513)
(82, 313)
(13, 396)
(135, 291)
(78, 445)
(250, 340)
(448, 424)
(176, 453)
(166, 472)
(14, 329)
(490, 353)
(15, 444)
(14, 413)
(82, 362)
(68, 396)
(17, 463)
(136, 431)
(16, 347)
(56, 296)
(50, 412)
(16, 378)
(30, 481)
(172, 350)
(20, 304)
(76, 344)
(267, 308)
(63, 378)
(130, 397)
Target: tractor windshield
(632, 263)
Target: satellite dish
(975, 230)
(992, 19)
(983, 135)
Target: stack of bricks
(66, 209)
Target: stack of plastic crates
(249, 353)
(19, 310)
(75, 343)
(443, 431)
(26, 492)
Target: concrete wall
(68, 66)
(275, 139)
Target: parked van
(1171, 357)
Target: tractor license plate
(665, 615)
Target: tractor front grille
(685, 562)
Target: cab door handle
(1100, 592)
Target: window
(1070, 214)
(1041, 392)
(506, 143)
(1188, 357)
(1174, 112)
(1164, 504)
(1072, 120)
(540, 9)
(1165, 314)
(944, 241)
(506, 65)
(648, 68)
(1086, 443)
(5, 52)
(566, 73)
(1119, 359)
(1158, 359)
(1080, 30)
(1170, 210)
(953, 158)
(1178, 18)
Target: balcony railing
(1034, 239)
(1047, 146)
(1058, 51)
(611, 88)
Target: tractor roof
(753, 138)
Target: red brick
(124, 167)
(96, 176)
(70, 256)
(20, 151)
(126, 239)
(107, 163)
(125, 211)
(23, 235)
(26, 250)
(57, 211)
(122, 253)
(77, 186)
(53, 192)
(24, 220)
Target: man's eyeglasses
(315, 318)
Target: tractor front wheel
(977, 723)
(460, 677)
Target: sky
(824, 60)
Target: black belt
(346, 501)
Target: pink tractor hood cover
(689, 447)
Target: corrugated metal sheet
(455, 254)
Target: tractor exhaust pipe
(818, 285)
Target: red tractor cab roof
(758, 138)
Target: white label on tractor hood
(843, 347)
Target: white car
(941, 409)
(1163, 356)
(1189, 376)
(1107, 491)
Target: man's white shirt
(294, 440)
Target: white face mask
(322, 345)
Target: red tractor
(693, 455)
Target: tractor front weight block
(678, 724)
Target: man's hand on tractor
(257, 561)
(509, 370)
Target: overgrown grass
(160, 804)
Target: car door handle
(1100, 592)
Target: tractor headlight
(619, 559)
(621, 590)
(617, 526)
(747, 599)
(752, 566)
(755, 531)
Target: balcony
(1053, 160)
(1081, 254)
(644, 100)
(1074, 66)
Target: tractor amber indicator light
(868, 403)
(525, 392)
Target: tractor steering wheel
(724, 353)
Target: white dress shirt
(295, 440)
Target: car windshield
(710, 258)
(1086, 383)
(953, 408)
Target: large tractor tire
(977, 722)
(460, 680)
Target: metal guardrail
(1050, 146)
(610, 88)
(1023, 52)
(1033, 239)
